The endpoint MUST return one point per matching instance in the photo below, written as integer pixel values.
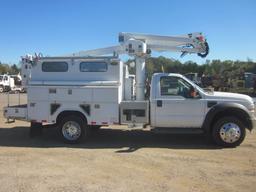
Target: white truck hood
(245, 100)
(236, 96)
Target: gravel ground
(119, 159)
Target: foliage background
(10, 69)
(209, 68)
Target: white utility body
(85, 90)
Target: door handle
(159, 103)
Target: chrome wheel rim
(71, 130)
(230, 132)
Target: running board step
(164, 130)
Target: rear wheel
(73, 129)
(228, 132)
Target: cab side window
(174, 86)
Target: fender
(221, 107)
(65, 109)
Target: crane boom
(141, 46)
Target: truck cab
(177, 103)
(173, 104)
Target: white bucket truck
(86, 90)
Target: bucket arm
(135, 44)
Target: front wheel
(73, 129)
(228, 132)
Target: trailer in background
(11, 83)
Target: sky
(58, 27)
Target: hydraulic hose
(203, 55)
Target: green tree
(225, 68)
(5, 68)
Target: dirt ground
(117, 159)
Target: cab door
(175, 107)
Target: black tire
(36, 129)
(220, 137)
(7, 88)
(1, 89)
(79, 126)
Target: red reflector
(44, 121)
(93, 123)
(104, 123)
